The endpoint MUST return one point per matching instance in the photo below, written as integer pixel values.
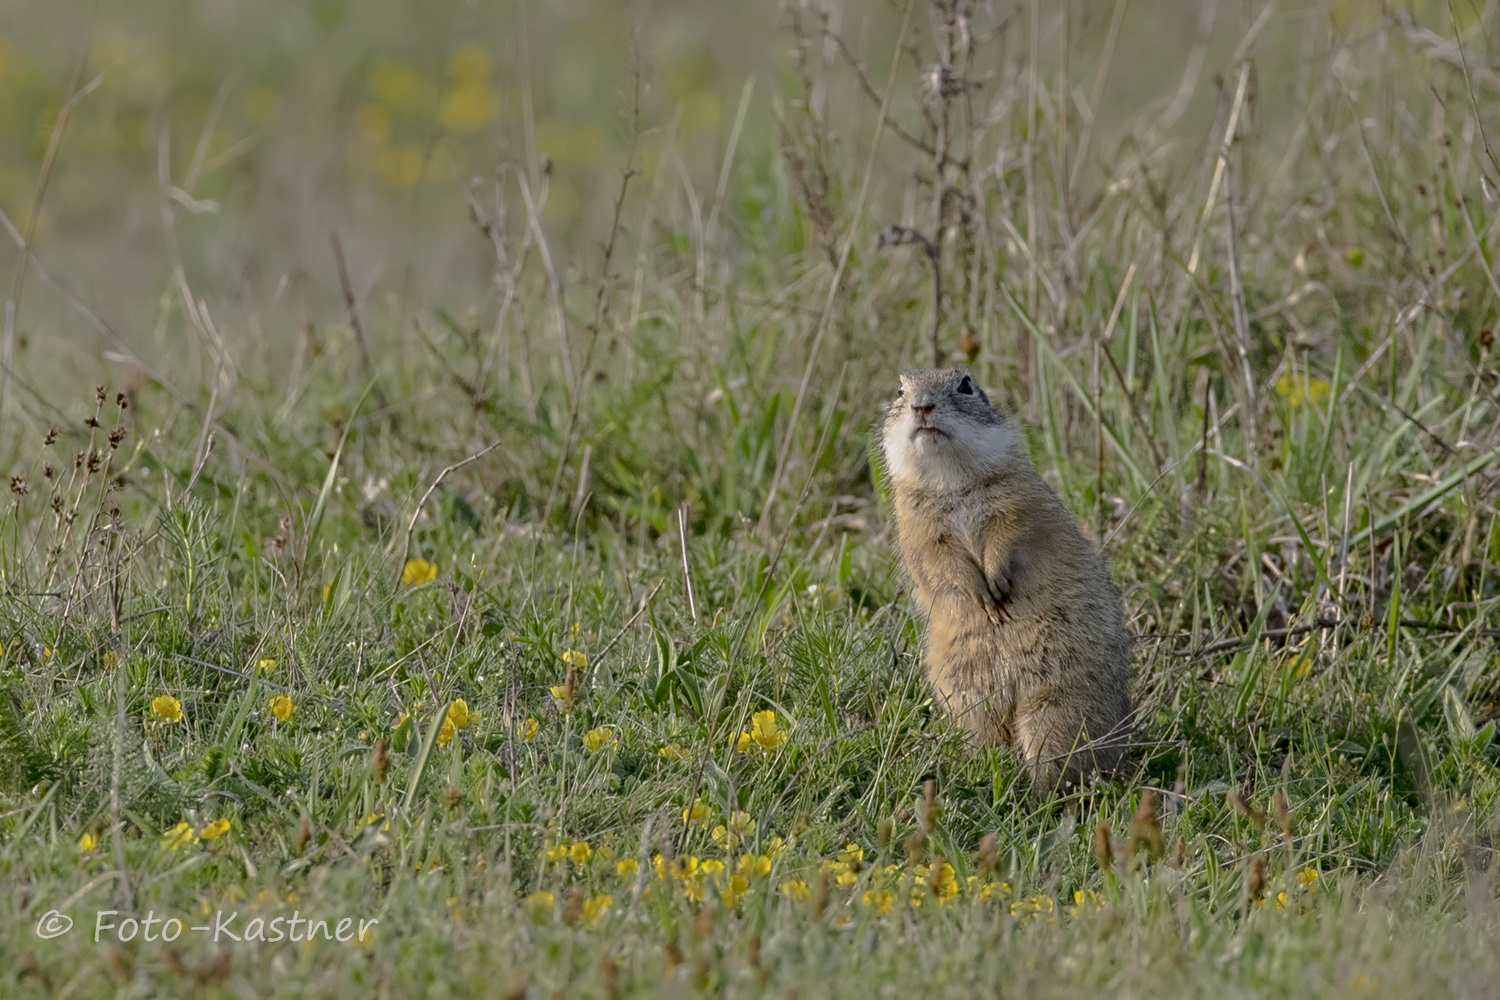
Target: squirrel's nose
(921, 411)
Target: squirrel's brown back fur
(1026, 636)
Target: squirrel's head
(940, 432)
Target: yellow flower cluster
(458, 717)
(281, 707)
(732, 883)
(599, 739)
(728, 836)
(579, 852)
(1279, 899)
(765, 733)
(180, 836)
(1297, 391)
(887, 886)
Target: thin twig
(359, 328)
(838, 278)
(412, 524)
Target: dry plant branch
(352, 306)
(833, 285)
(412, 524)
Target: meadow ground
(524, 611)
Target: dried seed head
(92, 422)
(18, 486)
(1179, 851)
(609, 978)
(989, 854)
(304, 834)
(116, 436)
(884, 830)
(381, 760)
(1255, 877)
(1104, 848)
(453, 798)
(1282, 813)
(1145, 831)
(100, 395)
(51, 436)
(1246, 810)
(46, 472)
(935, 875)
(120, 401)
(574, 909)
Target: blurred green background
(247, 134)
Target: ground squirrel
(1026, 637)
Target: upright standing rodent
(1026, 637)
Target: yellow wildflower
(265, 664)
(110, 659)
(851, 853)
(1298, 390)
(685, 867)
(580, 851)
(459, 714)
(765, 731)
(446, 733)
(87, 842)
(674, 751)
(738, 887)
(882, 901)
(796, 889)
(574, 658)
(216, 829)
(774, 847)
(1307, 876)
(179, 836)
(556, 853)
(695, 813)
(166, 708)
(1085, 900)
(659, 865)
(753, 864)
(418, 571)
(1279, 901)
(595, 907)
(528, 728)
(847, 877)
(713, 866)
(282, 708)
(598, 739)
(627, 866)
(1034, 907)
(742, 743)
(692, 890)
(541, 903)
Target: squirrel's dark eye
(966, 387)
(900, 389)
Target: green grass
(1287, 446)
